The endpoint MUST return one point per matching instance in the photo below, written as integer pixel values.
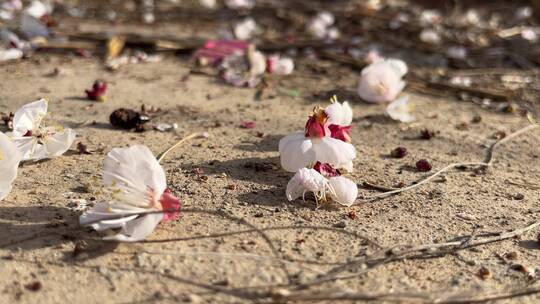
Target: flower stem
(194, 135)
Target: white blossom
(400, 110)
(382, 81)
(9, 162)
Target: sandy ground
(41, 241)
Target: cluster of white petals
(9, 162)
(137, 185)
(321, 27)
(34, 140)
(245, 29)
(340, 189)
(382, 81)
(323, 144)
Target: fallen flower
(320, 26)
(9, 162)
(214, 51)
(245, 29)
(10, 54)
(300, 149)
(244, 71)
(137, 184)
(97, 92)
(278, 65)
(240, 4)
(400, 110)
(339, 189)
(34, 141)
(381, 81)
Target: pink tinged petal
(215, 50)
(295, 152)
(339, 114)
(344, 191)
(137, 229)
(279, 65)
(381, 81)
(168, 203)
(29, 117)
(9, 162)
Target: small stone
(427, 134)
(34, 286)
(423, 165)
(513, 255)
(518, 196)
(476, 119)
(399, 152)
(341, 224)
(483, 273)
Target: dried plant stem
(180, 142)
(486, 163)
(407, 297)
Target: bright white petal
(344, 192)
(9, 162)
(138, 229)
(29, 117)
(295, 151)
(339, 114)
(99, 217)
(60, 142)
(380, 82)
(400, 110)
(305, 180)
(334, 151)
(134, 170)
(399, 65)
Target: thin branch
(486, 163)
(194, 135)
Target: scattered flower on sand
(315, 143)
(214, 51)
(240, 4)
(279, 65)
(339, 120)
(10, 54)
(400, 110)
(35, 141)
(337, 188)
(244, 71)
(137, 185)
(9, 162)
(245, 29)
(321, 27)
(97, 92)
(382, 81)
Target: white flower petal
(134, 170)
(305, 180)
(339, 114)
(58, 143)
(399, 65)
(99, 217)
(399, 110)
(295, 151)
(137, 229)
(344, 191)
(9, 162)
(334, 151)
(29, 117)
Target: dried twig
(486, 163)
(163, 154)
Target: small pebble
(341, 224)
(399, 152)
(423, 165)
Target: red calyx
(326, 169)
(340, 132)
(171, 205)
(98, 91)
(314, 128)
(28, 133)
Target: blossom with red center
(326, 169)
(97, 92)
(139, 196)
